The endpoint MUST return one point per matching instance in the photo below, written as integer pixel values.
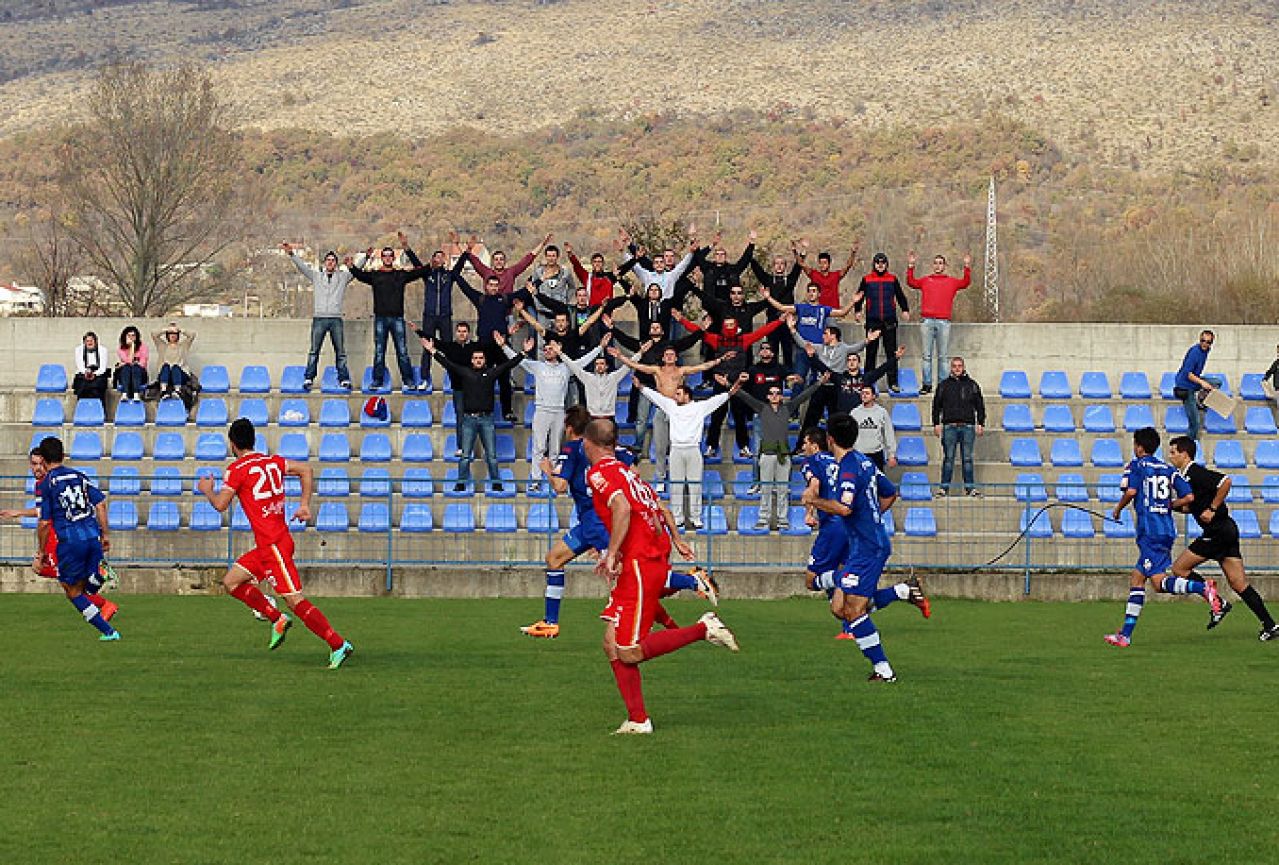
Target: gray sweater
(550, 380)
(329, 289)
(875, 430)
(833, 357)
(774, 424)
(601, 390)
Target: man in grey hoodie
(875, 436)
(328, 285)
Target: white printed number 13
(269, 482)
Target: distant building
(206, 310)
(20, 300)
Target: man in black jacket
(437, 300)
(719, 274)
(388, 284)
(457, 350)
(959, 415)
(780, 284)
(881, 295)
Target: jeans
(481, 425)
(1191, 403)
(382, 324)
(172, 375)
(333, 328)
(438, 328)
(962, 434)
(936, 333)
(131, 379)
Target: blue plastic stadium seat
(911, 451)
(1042, 527)
(255, 379)
(169, 446)
(1077, 524)
(205, 518)
(1071, 487)
(254, 409)
(294, 413)
(1017, 417)
(530, 383)
(208, 471)
(417, 413)
(51, 378)
(500, 421)
(1125, 528)
(166, 481)
(1175, 421)
(214, 379)
(1193, 529)
(212, 412)
(458, 517)
(505, 448)
(450, 447)
(417, 518)
(1246, 519)
(293, 446)
(1228, 454)
(1054, 384)
(712, 484)
(1250, 387)
(450, 481)
(130, 414)
(1025, 452)
(333, 482)
(529, 408)
(907, 382)
(1167, 382)
(506, 477)
(124, 481)
(714, 521)
(920, 523)
(170, 412)
(86, 446)
(29, 523)
(1138, 417)
(1106, 453)
(449, 416)
(1060, 418)
(1094, 385)
(239, 522)
(368, 422)
(163, 517)
(335, 448)
(1065, 453)
(748, 521)
(122, 515)
(543, 517)
(1014, 384)
(915, 487)
(417, 448)
(1134, 385)
(795, 522)
(1274, 524)
(906, 418)
(742, 486)
(374, 482)
(1108, 488)
(89, 412)
(1099, 419)
(1259, 421)
(1240, 490)
(335, 413)
(291, 379)
(1267, 456)
(1218, 425)
(1270, 489)
(366, 383)
(374, 517)
(889, 525)
(329, 383)
(332, 517)
(292, 486)
(49, 412)
(418, 483)
(1030, 488)
(1221, 381)
(500, 518)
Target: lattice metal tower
(992, 253)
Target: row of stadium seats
(1071, 487)
(1078, 524)
(1055, 384)
(1109, 453)
(1258, 420)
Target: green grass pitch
(1014, 735)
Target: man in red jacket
(936, 305)
(826, 279)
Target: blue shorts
(860, 576)
(1154, 556)
(78, 562)
(830, 548)
(589, 533)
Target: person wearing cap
(328, 288)
(880, 295)
(936, 306)
(173, 344)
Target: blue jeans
(1191, 403)
(131, 379)
(172, 375)
(381, 325)
(936, 333)
(962, 434)
(481, 425)
(332, 327)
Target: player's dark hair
(601, 432)
(684, 387)
(817, 436)
(842, 430)
(1185, 444)
(1147, 438)
(576, 417)
(51, 449)
(35, 452)
(242, 434)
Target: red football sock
(631, 685)
(667, 592)
(251, 596)
(665, 642)
(663, 618)
(314, 619)
(97, 600)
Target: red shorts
(49, 566)
(635, 598)
(274, 564)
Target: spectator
(581, 314)
(667, 271)
(600, 381)
(328, 288)
(959, 414)
(832, 356)
(851, 380)
(437, 299)
(882, 295)
(734, 307)
(598, 282)
(553, 281)
(779, 283)
(173, 344)
(493, 309)
(936, 306)
(875, 437)
(131, 366)
(827, 280)
(388, 283)
(719, 275)
(457, 350)
(651, 307)
(811, 319)
(762, 375)
(1191, 385)
(506, 276)
(648, 354)
(575, 341)
(1270, 380)
(90, 380)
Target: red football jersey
(647, 538)
(258, 481)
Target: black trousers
(888, 337)
(742, 414)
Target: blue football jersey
(861, 486)
(822, 467)
(572, 465)
(68, 500)
(1156, 484)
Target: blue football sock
(681, 582)
(884, 597)
(1183, 586)
(847, 625)
(554, 594)
(91, 614)
(1136, 600)
(868, 640)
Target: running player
(862, 494)
(75, 511)
(1220, 538)
(258, 481)
(636, 563)
(1152, 485)
(568, 474)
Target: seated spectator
(1270, 380)
(173, 344)
(131, 365)
(90, 380)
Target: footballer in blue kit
(568, 474)
(1151, 486)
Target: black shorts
(1219, 541)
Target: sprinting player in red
(258, 480)
(45, 562)
(636, 563)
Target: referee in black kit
(1220, 539)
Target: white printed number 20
(268, 483)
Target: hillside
(1142, 85)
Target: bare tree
(49, 259)
(150, 181)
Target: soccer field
(1013, 735)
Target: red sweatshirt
(507, 276)
(828, 282)
(600, 286)
(938, 292)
